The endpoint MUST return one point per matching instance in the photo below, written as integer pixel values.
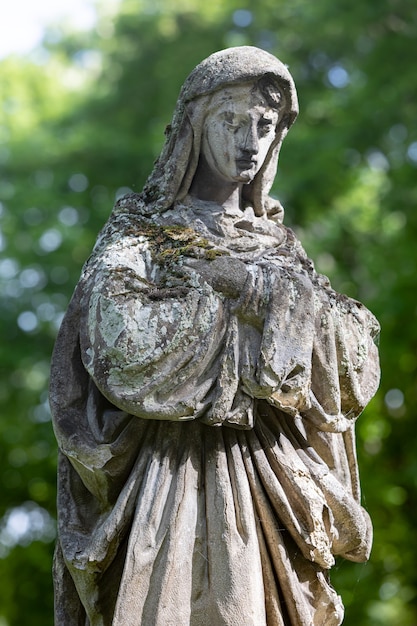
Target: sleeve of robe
(152, 351)
(316, 352)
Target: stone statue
(205, 385)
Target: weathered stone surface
(205, 385)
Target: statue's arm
(345, 372)
(151, 351)
(317, 353)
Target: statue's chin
(245, 177)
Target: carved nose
(251, 141)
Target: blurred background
(87, 89)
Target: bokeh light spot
(78, 182)
(50, 240)
(394, 399)
(242, 18)
(27, 321)
(338, 77)
(412, 152)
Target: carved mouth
(246, 164)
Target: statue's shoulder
(124, 234)
(131, 209)
(131, 203)
(292, 247)
(129, 218)
(135, 229)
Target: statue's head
(220, 91)
(239, 129)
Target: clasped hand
(225, 274)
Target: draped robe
(207, 471)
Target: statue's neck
(211, 187)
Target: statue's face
(238, 132)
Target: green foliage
(86, 126)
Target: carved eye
(232, 126)
(265, 126)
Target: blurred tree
(83, 127)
